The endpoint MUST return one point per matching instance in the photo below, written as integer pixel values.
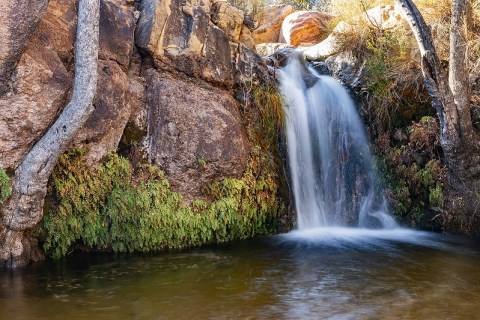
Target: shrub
(414, 175)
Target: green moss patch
(116, 207)
(5, 186)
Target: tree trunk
(24, 209)
(451, 102)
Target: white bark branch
(458, 67)
(434, 76)
(24, 209)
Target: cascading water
(332, 170)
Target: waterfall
(333, 175)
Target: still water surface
(316, 274)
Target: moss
(5, 186)
(125, 206)
(269, 103)
(115, 207)
(132, 134)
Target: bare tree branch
(24, 209)
(434, 76)
(458, 67)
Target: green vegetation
(116, 207)
(270, 105)
(413, 173)
(127, 206)
(5, 186)
(395, 93)
(201, 161)
(396, 107)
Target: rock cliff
(168, 69)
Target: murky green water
(321, 274)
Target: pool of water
(317, 274)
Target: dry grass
(392, 57)
(249, 7)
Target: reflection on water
(317, 274)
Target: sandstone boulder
(270, 21)
(182, 37)
(331, 45)
(304, 27)
(195, 132)
(228, 18)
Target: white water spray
(333, 175)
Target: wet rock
(279, 58)
(195, 133)
(134, 141)
(304, 27)
(346, 67)
(321, 67)
(270, 21)
(266, 49)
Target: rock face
(172, 78)
(40, 91)
(348, 69)
(103, 130)
(246, 38)
(19, 20)
(270, 22)
(191, 128)
(304, 27)
(180, 36)
(42, 82)
(117, 25)
(195, 132)
(57, 28)
(228, 18)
